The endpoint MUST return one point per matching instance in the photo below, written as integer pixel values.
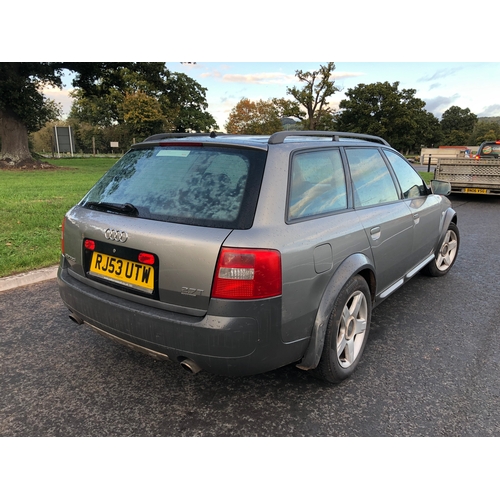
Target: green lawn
(427, 176)
(33, 203)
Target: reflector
(89, 245)
(146, 258)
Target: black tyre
(447, 254)
(347, 332)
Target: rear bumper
(476, 188)
(234, 338)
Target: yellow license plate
(475, 190)
(125, 272)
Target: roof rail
(180, 135)
(279, 137)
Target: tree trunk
(14, 137)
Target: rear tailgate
(183, 261)
(151, 229)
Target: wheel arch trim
(354, 264)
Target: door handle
(375, 233)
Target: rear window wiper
(121, 208)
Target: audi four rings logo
(113, 234)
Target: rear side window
(412, 185)
(192, 184)
(371, 178)
(317, 184)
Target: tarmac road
(431, 367)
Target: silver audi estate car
(241, 254)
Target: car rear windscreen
(192, 184)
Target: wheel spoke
(355, 306)
(360, 326)
(350, 353)
(346, 314)
(341, 342)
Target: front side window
(317, 184)
(411, 183)
(208, 186)
(371, 178)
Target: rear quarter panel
(311, 250)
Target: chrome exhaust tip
(190, 366)
(76, 319)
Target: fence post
(429, 164)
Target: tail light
(246, 274)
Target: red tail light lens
(89, 245)
(146, 258)
(247, 274)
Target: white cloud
(342, 75)
(252, 78)
(59, 95)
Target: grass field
(33, 203)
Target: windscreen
(192, 184)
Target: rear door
(387, 220)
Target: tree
(485, 130)
(319, 86)
(286, 108)
(254, 117)
(42, 140)
(24, 109)
(384, 110)
(142, 113)
(185, 102)
(428, 132)
(457, 125)
(180, 99)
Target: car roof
(263, 141)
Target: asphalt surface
(431, 367)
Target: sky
(472, 85)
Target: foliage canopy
(318, 87)
(144, 96)
(385, 110)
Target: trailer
(470, 175)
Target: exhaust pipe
(190, 366)
(73, 317)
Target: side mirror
(440, 187)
